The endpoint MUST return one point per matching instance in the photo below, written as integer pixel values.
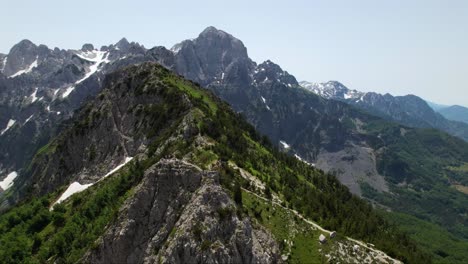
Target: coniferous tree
(238, 194)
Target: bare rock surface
(180, 214)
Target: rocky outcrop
(207, 57)
(180, 214)
(21, 56)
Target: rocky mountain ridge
(180, 198)
(38, 95)
(373, 157)
(409, 110)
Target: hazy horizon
(398, 48)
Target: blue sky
(400, 47)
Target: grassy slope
(286, 228)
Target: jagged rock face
(409, 110)
(209, 56)
(40, 88)
(123, 44)
(180, 214)
(21, 56)
(268, 96)
(109, 130)
(163, 56)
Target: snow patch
(75, 187)
(361, 99)
(29, 118)
(27, 70)
(68, 91)
(98, 57)
(127, 160)
(303, 160)
(333, 90)
(8, 181)
(33, 96)
(264, 101)
(285, 145)
(93, 55)
(11, 122)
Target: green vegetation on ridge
(31, 233)
(314, 194)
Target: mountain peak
(25, 42)
(213, 33)
(210, 54)
(122, 44)
(212, 30)
(87, 47)
(336, 83)
(213, 38)
(268, 64)
(23, 45)
(20, 58)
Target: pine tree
(238, 194)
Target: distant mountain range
(409, 110)
(436, 106)
(455, 112)
(384, 148)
